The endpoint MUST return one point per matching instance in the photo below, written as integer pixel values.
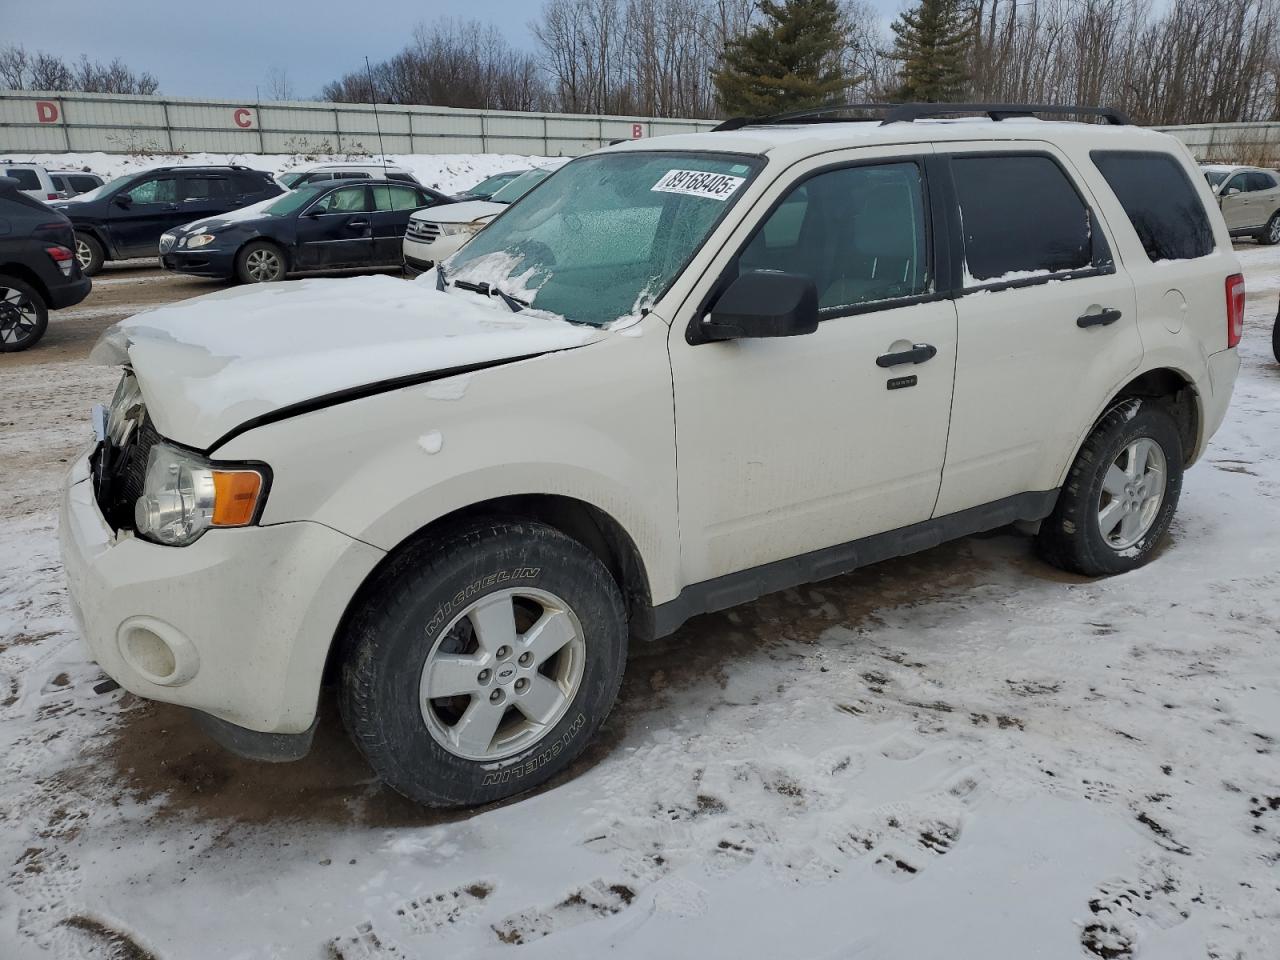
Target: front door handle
(359, 224)
(919, 353)
(1108, 316)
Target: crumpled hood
(210, 364)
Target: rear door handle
(919, 353)
(1107, 316)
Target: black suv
(38, 271)
(125, 217)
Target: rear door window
(394, 197)
(1261, 181)
(84, 184)
(1020, 218)
(1160, 201)
(207, 188)
(859, 232)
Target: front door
(1047, 319)
(789, 445)
(151, 208)
(335, 231)
(1240, 207)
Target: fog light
(157, 652)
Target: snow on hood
(209, 364)
(250, 212)
(464, 212)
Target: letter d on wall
(46, 111)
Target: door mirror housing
(764, 304)
(124, 201)
(1232, 191)
(313, 213)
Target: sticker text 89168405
(699, 183)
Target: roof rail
(908, 112)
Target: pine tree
(932, 41)
(790, 61)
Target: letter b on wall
(46, 111)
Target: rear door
(152, 208)
(205, 194)
(1047, 322)
(335, 231)
(393, 203)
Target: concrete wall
(32, 122)
(1251, 143)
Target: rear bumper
(70, 293)
(237, 625)
(1223, 367)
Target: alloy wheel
(1273, 230)
(264, 266)
(1132, 493)
(19, 318)
(83, 255)
(502, 674)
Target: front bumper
(219, 264)
(237, 625)
(433, 251)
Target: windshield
(1215, 177)
(521, 185)
(489, 185)
(287, 180)
(607, 234)
(295, 200)
(108, 187)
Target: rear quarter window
(1160, 201)
(27, 179)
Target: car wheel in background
(23, 315)
(1270, 234)
(260, 262)
(479, 664)
(1275, 337)
(89, 253)
(1120, 493)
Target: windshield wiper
(489, 290)
(441, 283)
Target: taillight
(51, 196)
(63, 257)
(1235, 309)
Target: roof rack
(908, 112)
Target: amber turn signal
(235, 497)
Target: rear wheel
(480, 663)
(1120, 494)
(1270, 234)
(89, 253)
(260, 262)
(23, 315)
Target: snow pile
(449, 173)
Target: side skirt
(735, 588)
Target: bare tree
(279, 86)
(23, 70)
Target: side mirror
(1232, 191)
(764, 304)
(313, 213)
(124, 200)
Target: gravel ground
(963, 753)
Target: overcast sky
(223, 48)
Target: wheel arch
(1173, 388)
(98, 233)
(28, 276)
(586, 523)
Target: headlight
(125, 411)
(454, 229)
(199, 240)
(184, 495)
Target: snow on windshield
(604, 237)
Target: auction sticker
(699, 183)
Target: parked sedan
(486, 188)
(321, 226)
(432, 237)
(1249, 198)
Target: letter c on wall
(243, 118)
(46, 111)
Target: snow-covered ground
(450, 173)
(962, 754)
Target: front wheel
(1120, 494)
(479, 664)
(260, 262)
(24, 317)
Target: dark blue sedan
(323, 226)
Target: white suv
(33, 180)
(680, 374)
